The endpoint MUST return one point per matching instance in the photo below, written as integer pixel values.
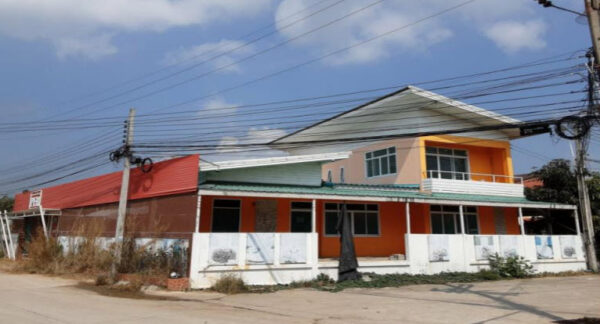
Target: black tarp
(348, 265)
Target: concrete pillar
(521, 222)
(407, 214)
(462, 219)
(198, 211)
(314, 216)
(576, 216)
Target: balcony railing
(466, 176)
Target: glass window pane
(369, 155)
(331, 223)
(360, 223)
(471, 209)
(372, 224)
(392, 150)
(370, 168)
(460, 153)
(471, 224)
(227, 203)
(384, 166)
(372, 207)
(392, 160)
(449, 224)
(355, 207)
(436, 224)
(445, 151)
(301, 222)
(460, 165)
(380, 153)
(431, 150)
(446, 165)
(331, 206)
(436, 208)
(226, 220)
(301, 205)
(342, 176)
(376, 170)
(450, 208)
(432, 164)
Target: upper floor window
(329, 176)
(381, 162)
(447, 163)
(342, 175)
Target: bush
(230, 284)
(510, 267)
(44, 255)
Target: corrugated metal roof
(168, 177)
(371, 191)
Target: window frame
(292, 209)
(212, 216)
(453, 172)
(456, 216)
(366, 210)
(342, 175)
(378, 159)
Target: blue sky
(56, 53)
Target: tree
(6, 203)
(560, 185)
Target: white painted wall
(461, 257)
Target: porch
(269, 235)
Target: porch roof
(369, 193)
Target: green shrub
(510, 267)
(230, 284)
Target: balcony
(472, 183)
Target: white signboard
(543, 247)
(509, 245)
(223, 248)
(568, 247)
(35, 199)
(439, 248)
(260, 248)
(292, 248)
(484, 247)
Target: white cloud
(263, 135)
(222, 60)
(385, 17)
(78, 27)
(514, 36)
(218, 106)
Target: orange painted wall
(392, 221)
(485, 156)
(511, 216)
(392, 226)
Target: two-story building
(423, 195)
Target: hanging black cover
(347, 264)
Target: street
(40, 299)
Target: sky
(81, 59)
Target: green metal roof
(373, 191)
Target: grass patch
(230, 284)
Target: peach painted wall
(407, 164)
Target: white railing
(473, 176)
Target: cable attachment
(145, 164)
(572, 127)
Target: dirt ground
(41, 299)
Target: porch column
(42, 216)
(521, 222)
(10, 241)
(576, 216)
(198, 204)
(4, 235)
(407, 214)
(462, 219)
(313, 217)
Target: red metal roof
(169, 177)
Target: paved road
(38, 299)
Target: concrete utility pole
(124, 191)
(591, 9)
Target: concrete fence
(281, 258)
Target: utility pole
(128, 141)
(591, 9)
